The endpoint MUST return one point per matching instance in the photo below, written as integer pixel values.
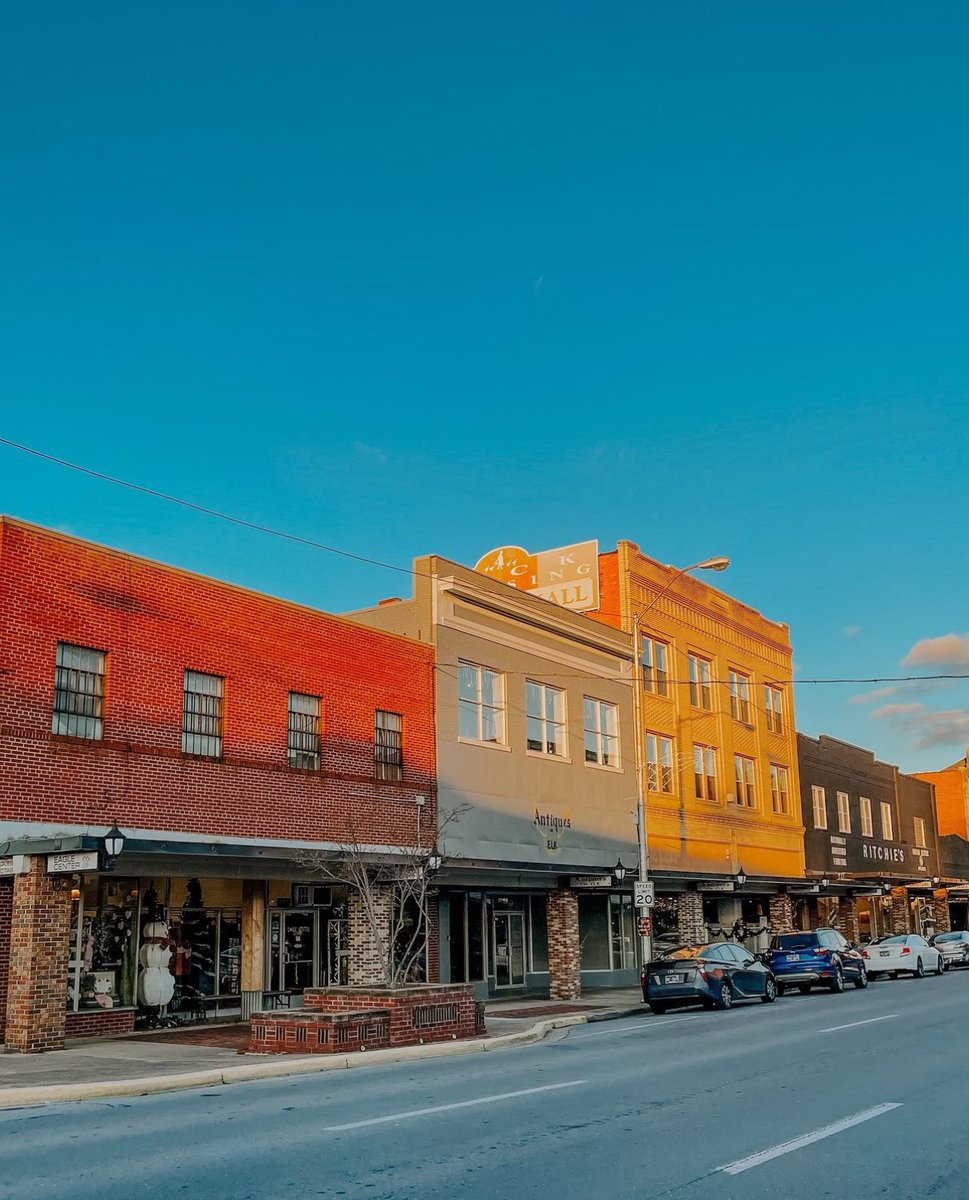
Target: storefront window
(102, 969)
(594, 933)
(539, 914)
(623, 942)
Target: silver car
(954, 947)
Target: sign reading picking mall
(568, 576)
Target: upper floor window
(656, 666)
(920, 832)
(79, 691)
(701, 691)
(844, 813)
(601, 732)
(304, 731)
(202, 714)
(659, 763)
(780, 790)
(887, 827)
(546, 719)
(774, 707)
(820, 807)
(867, 826)
(745, 773)
(389, 745)
(481, 703)
(740, 697)
(705, 772)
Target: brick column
(564, 950)
(848, 917)
(40, 938)
(365, 965)
(781, 913)
(940, 910)
(899, 910)
(690, 929)
(6, 910)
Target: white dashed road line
(756, 1160)
(855, 1024)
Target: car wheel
(781, 989)
(657, 1007)
(770, 991)
(919, 972)
(892, 974)
(862, 980)
(804, 988)
(837, 984)
(724, 998)
(941, 968)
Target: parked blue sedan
(713, 975)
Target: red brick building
(226, 733)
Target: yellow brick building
(718, 740)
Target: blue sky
(420, 278)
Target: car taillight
(820, 952)
(865, 954)
(906, 949)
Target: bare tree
(405, 875)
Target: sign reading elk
(551, 825)
(568, 576)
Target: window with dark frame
(79, 692)
(389, 745)
(304, 731)
(202, 701)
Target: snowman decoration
(155, 983)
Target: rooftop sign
(568, 576)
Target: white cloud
(538, 284)
(949, 651)
(928, 727)
(881, 693)
(372, 452)
(851, 630)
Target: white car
(903, 952)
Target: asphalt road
(859, 1095)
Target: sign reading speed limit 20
(644, 896)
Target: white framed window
(701, 689)
(774, 708)
(867, 826)
(740, 696)
(844, 813)
(820, 806)
(920, 833)
(780, 790)
(304, 731)
(745, 773)
(388, 744)
(202, 714)
(888, 831)
(481, 703)
(705, 772)
(601, 721)
(656, 666)
(660, 776)
(79, 692)
(546, 719)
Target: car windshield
(948, 937)
(794, 941)
(898, 939)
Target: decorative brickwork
(100, 1022)
(310, 1032)
(781, 913)
(899, 910)
(364, 965)
(690, 929)
(39, 944)
(564, 949)
(6, 910)
(848, 917)
(940, 911)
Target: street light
(825, 882)
(619, 871)
(112, 844)
(718, 562)
(741, 877)
(434, 861)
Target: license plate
(673, 978)
(794, 958)
(884, 953)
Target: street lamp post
(717, 563)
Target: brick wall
(39, 943)
(425, 1013)
(154, 622)
(899, 910)
(940, 910)
(781, 913)
(564, 949)
(6, 908)
(365, 965)
(848, 917)
(690, 928)
(100, 1023)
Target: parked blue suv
(817, 956)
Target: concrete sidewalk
(138, 1065)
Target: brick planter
(100, 1022)
(335, 1020)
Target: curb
(278, 1068)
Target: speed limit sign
(643, 894)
